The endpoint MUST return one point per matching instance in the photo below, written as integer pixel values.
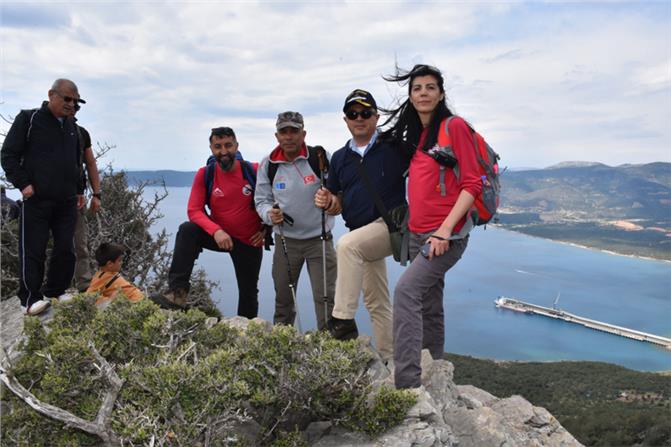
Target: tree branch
(98, 428)
(105, 413)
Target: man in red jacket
(232, 226)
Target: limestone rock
(474, 397)
(461, 416)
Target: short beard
(226, 162)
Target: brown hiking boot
(172, 299)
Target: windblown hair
(109, 252)
(405, 125)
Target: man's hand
(322, 198)
(223, 240)
(276, 216)
(94, 206)
(27, 192)
(258, 238)
(329, 202)
(81, 201)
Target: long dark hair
(406, 126)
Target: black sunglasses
(75, 101)
(365, 114)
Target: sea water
(625, 291)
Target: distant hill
(624, 208)
(591, 191)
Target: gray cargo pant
(300, 251)
(419, 321)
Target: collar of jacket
(277, 155)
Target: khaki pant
(361, 266)
(83, 272)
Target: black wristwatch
(97, 196)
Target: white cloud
(543, 82)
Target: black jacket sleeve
(13, 149)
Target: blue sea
(625, 291)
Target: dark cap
(289, 119)
(362, 97)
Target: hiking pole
(292, 287)
(323, 166)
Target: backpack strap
(209, 178)
(32, 113)
(472, 214)
(111, 281)
(248, 173)
(455, 168)
(80, 138)
(313, 161)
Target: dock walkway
(521, 306)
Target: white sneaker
(36, 308)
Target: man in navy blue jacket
(361, 253)
(41, 157)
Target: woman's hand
(439, 242)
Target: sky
(543, 82)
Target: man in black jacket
(41, 157)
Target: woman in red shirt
(439, 202)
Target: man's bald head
(64, 83)
(63, 96)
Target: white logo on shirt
(218, 192)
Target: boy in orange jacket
(107, 281)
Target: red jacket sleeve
(462, 144)
(196, 206)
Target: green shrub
(184, 381)
(387, 409)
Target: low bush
(187, 380)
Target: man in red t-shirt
(231, 226)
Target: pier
(521, 306)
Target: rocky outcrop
(461, 415)
(445, 414)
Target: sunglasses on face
(365, 114)
(69, 99)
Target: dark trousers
(39, 218)
(189, 243)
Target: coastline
(575, 244)
(508, 362)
